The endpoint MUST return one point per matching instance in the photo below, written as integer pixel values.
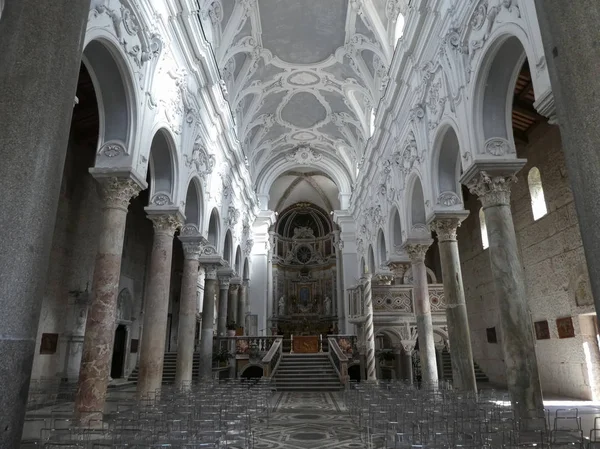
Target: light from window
(399, 30)
(538, 202)
(372, 123)
(484, 235)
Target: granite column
(191, 242)
(570, 36)
(232, 303)
(463, 373)
(241, 310)
(208, 321)
(492, 185)
(156, 304)
(222, 308)
(102, 313)
(417, 252)
(38, 81)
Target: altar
(305, 344)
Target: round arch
(381, 248)
(416, 203)
(214, 229)
(395, 231)
(246, 271)
(116, 96)
(228, 248)
(238, 260)
(194, 203)
(162, 168)
(372, 266)
(447, 166)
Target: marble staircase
(169, 368)
(480, 376)
(306, 372)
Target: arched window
(538, 202)
(484, 235)
(399, 30)
(372, 122)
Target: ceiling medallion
(303, 79)
(303, 136)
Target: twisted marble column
(416, 253)
(102, 314)
(191, 242)
(241, 309)
(222, 310)
(463, 373)
(156, 304)
(369, 328)
(208, 320)
(493, 190)
(232, 303)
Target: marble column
(38, 81)
(156, 303)
(398, 362)
(493, 190)
(102, 313)
(232, 303)
(188, 304)
(416, 253)
(569, 32)
(407, 363)
(463, 373)
(369, 328)
(339, 261)
(241, 310)
(271, 306)
(222, 306)
(208, 320)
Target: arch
(246, 271)
(228, 248)
(193, 203)
(238, 260)
(483, 228)
(113, 84)
(393, 334)
(416, 210)
(372, 265)
(214, 228)
(398, 28)
(162, 168)
(252, 371)
(363, 266)
(395, 231)
(499, 66)
(381, 248)
(536, 191)
(447, 167)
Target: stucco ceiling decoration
(302, 73)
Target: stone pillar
(102, 313)
(463, 373)
(439, 362)
(191, 242)
(369, 328)
(398, 362)
(416, 252)
(232, 303)
(156, 304)
(407, 362)
(208, 319)
(222, 307)
(241, 305)
(340, 304)
(570, 36)
(38, 81)
(271, 306)
(493, 189)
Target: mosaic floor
(308, 420)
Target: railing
(338, 359)
(250, 346)
(270, 362)
(348, 344)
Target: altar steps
(306, 372)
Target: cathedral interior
(282, 224)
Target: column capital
(409, 346)
(192, 241)
(445, 226)
(492, 181)
(246, 283)
(224, 282)
(366, 277)
(117, 192)
(234, 287)
(210, 272)
(165, 222)
(416, 250)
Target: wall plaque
(491, 335)
(565, 327)
(49, 343)
(542, 331)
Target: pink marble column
(156, 304)
(102, 314)
(191, 241)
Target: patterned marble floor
(308, 420)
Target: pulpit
(305, 344)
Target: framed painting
(49, 343)
(304, 295)
(542, 331)
(565, 327)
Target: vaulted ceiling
(303, 73)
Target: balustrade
(271, 360)
(338, 359)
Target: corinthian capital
(492, 190)
(165, 223)
(416, 251)
(117, 192)
(192, 242)
(446, 228)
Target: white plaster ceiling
(304, 186)
(302, 72)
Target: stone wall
(556, 275)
